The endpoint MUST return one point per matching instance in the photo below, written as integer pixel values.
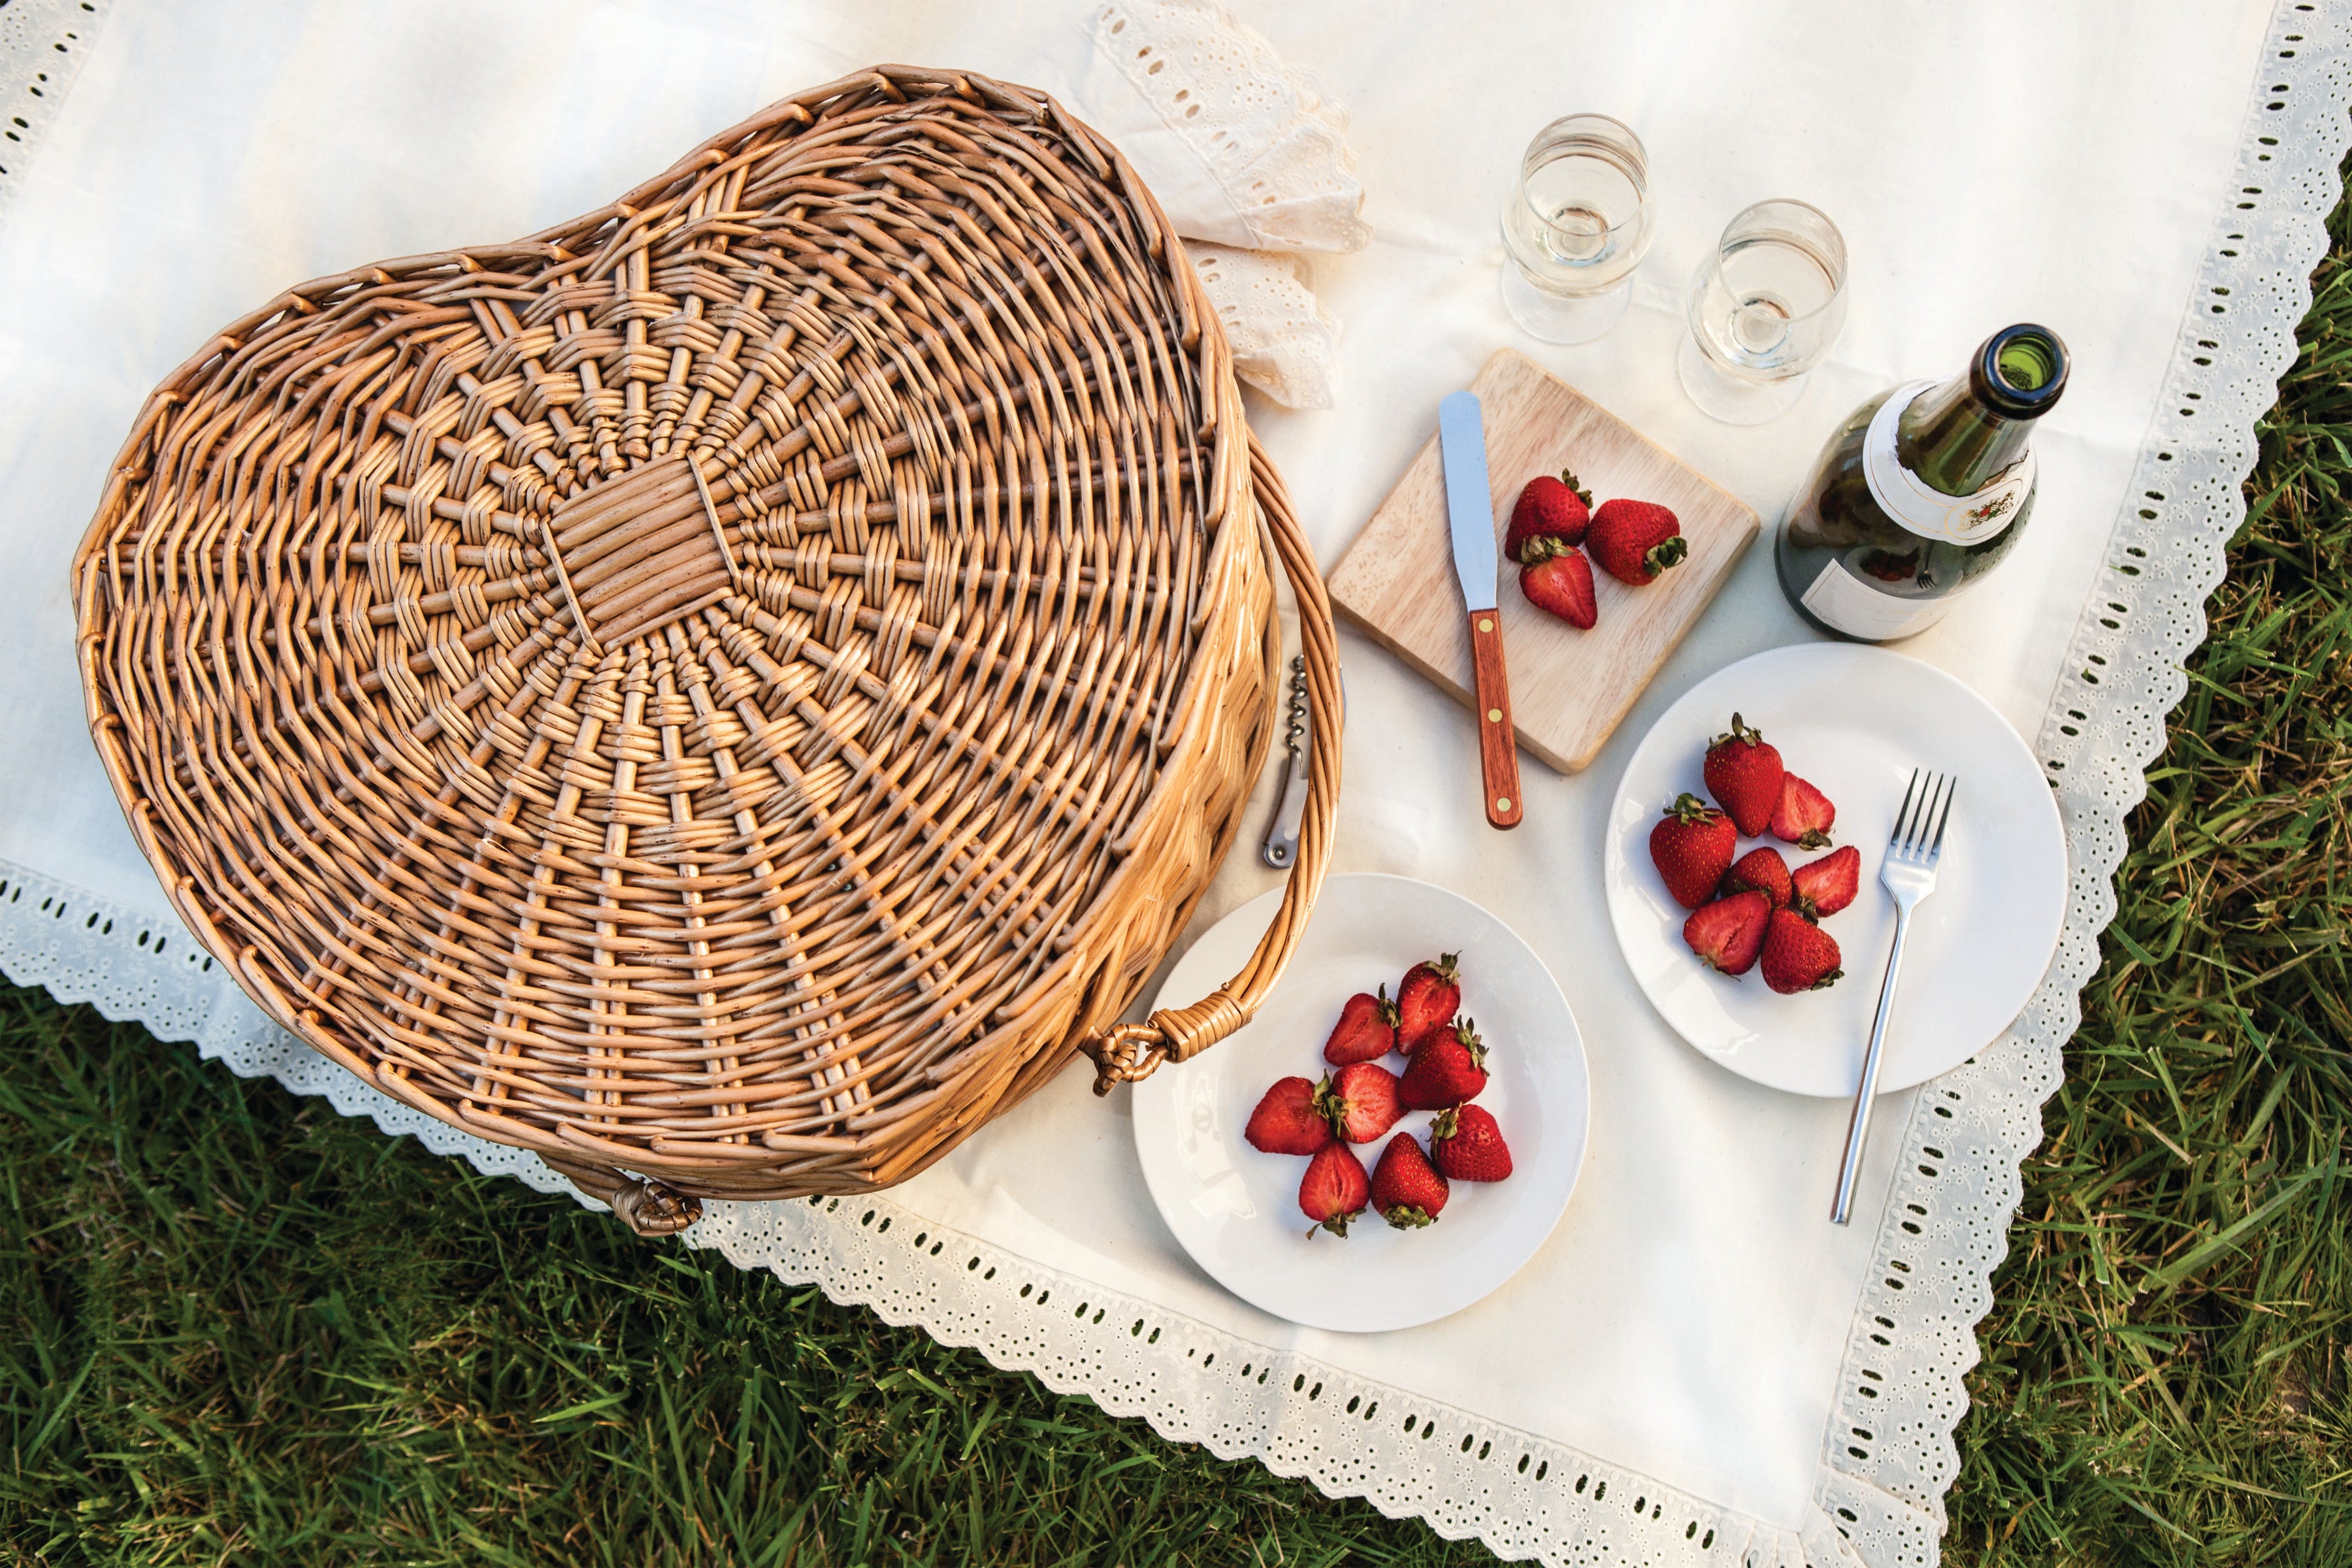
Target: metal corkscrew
(1281, 847)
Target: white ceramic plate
(1236, 1210)
(1854, 721)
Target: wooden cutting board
(1568, 688)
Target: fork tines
(1912, 839)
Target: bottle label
(1917, 505)
(1843, 600)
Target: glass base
(1734, 400)
(1562, 318)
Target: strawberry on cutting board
(1744, 774)
(1407, 1190)
(1691, 846)
(1334, 1189)
(1468, 1145)
(1548, 508)
(1288, 1121)
(1426, 999)
(1633, 541)
(1557, 578)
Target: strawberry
(1633, 541)
(1366, 1030)
(1426, 999)
(1448, 1069)
(1691, 846)
(1469, 1146)
(1798, 955)
(1557, 578)
(1803, 815)
(1825, 886)
(1334, 1189)
(1729, 933)
(1547, 509)
(1407, 1190)
(1286, 1121)
(1760, 870)
(1360, 1100)
(1743, 772)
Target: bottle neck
(1954, 442)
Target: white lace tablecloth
(1722, 1377)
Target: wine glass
(1576, 224)
(1764, 306)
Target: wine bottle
(1920, 493)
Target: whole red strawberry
(1407, 1190)
(1468, 1147)
(1334, 1189)
(1760, 870)
(1825, 886)
(1366, 1030)
(1691, 846)
(1798, 955)
(1803, 814)
(1557, 578)
(1547, 509)
(1360, 1100)
(1448, 1069)
(1744, 773)
(1729, 934)
(1633, 541)
(1288, 1122)
(1426, 998)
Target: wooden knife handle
(1498, 746)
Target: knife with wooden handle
(1470, 517)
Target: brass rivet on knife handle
(1498, 751)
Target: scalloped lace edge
(1888, 1454)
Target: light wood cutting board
(1569, 689)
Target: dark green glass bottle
(1920, 492)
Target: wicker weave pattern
(730, 689)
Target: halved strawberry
(1360, 1100)
(1366, 1030)
(1426, 998)
(1825, 886)
(1803, 814)
(1286, 1121)
(1557, 578)
(1729, 934)
(1334, 1189)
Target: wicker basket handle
(1129, 1052)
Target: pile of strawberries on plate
(1445, 1068)
(1751, 907)
(1633, 541)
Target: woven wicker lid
(730, 689)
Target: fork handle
(1858, 1130)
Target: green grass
(235, 1328)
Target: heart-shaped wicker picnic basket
(730, 692)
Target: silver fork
(1908, 876)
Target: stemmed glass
(1577, 224)
(1764, 306)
